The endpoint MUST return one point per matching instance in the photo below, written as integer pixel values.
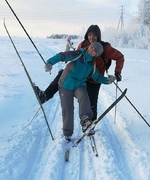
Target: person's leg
(85, 111)
(84, 102)
(93, 91)
(53, 87)
(50, 90)
(67, 105)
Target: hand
(48, 67)
(111, 79)
(118, 76)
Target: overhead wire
(58, 15)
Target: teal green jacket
(79, 68)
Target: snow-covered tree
(147, 14)
(141, 10)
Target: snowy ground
(27, 151)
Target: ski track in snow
(114, 157)
(32, 154)
(126, 151)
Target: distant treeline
(62, 36)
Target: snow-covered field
(27, 151)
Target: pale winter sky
(45, 17)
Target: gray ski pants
(67, 104)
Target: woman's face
(92, 38)
(91, 51)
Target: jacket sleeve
(80, 45)
(114, 54)
(99, 78)
(64, 56)
(55, 59)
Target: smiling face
(92, 51)
(95, 49)
(92, 38)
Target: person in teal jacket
(72, 83)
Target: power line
(59, 14)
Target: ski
(93, 124)
(93, 145)
(30, 80)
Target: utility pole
(143, 17)
(121, 22)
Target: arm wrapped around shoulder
(111, 79)
(48, 67)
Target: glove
(118, 76)
(48, 67)
(111, 79)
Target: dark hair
(95, 30)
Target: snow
(27, 150)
